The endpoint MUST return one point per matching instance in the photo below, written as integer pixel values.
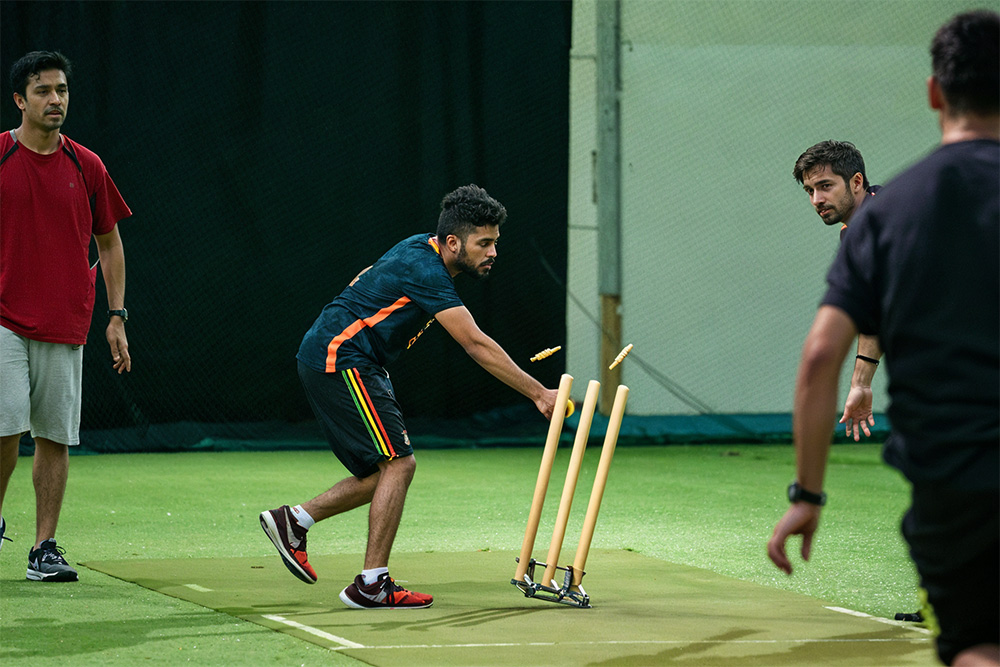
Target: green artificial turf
(711, 507)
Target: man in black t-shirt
(833, 174)
(920, 268)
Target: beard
(479, 272)
(842, 210)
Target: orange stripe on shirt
(355, 327)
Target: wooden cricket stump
(570, 591)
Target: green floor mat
(645, 611)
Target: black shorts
(954, 539)
(359, 415)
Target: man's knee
(9, 446)
(9, 441)
(51, 447)
(402, 467)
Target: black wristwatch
(120, 313)
(797, 493)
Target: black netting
(270, 151)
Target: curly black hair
(465, 209)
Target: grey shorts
(41, 388)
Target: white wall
(724, 260)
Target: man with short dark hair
(382, 313)
(833, 175)
(921, 269)
(57, 195)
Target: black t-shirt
(920, 267)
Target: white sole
(34, 575)
(271, 530)
(354, 605)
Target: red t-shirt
(46, 283)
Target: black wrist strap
(797, 493)
(868, 359)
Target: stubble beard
(470, 269)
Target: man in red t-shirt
(56, 196)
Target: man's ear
(857, 182)
(453, 243)
(935, 96)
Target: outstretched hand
(858, 412)
(801, 519)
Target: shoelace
(53, 555)
(390, 588)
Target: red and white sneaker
(383, 594)
(289, 538)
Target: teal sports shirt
(384, 312)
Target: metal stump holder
(564, 594)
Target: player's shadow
(858, 649)
(386, 623)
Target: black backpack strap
(12, 148)
(71, 152)
(67, 147)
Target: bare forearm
(488, 354)
(484, 350)
(864, 370)
(815, 407)
(109, 247)
(113, 269)
(816, 393)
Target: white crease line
(668, 642)
(348, 644)
(196, 587)
(898, 624)
(344, 643)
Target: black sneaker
(383, 594)
(3, 529)
(47, 564)
(915, 617)
(289, 538)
